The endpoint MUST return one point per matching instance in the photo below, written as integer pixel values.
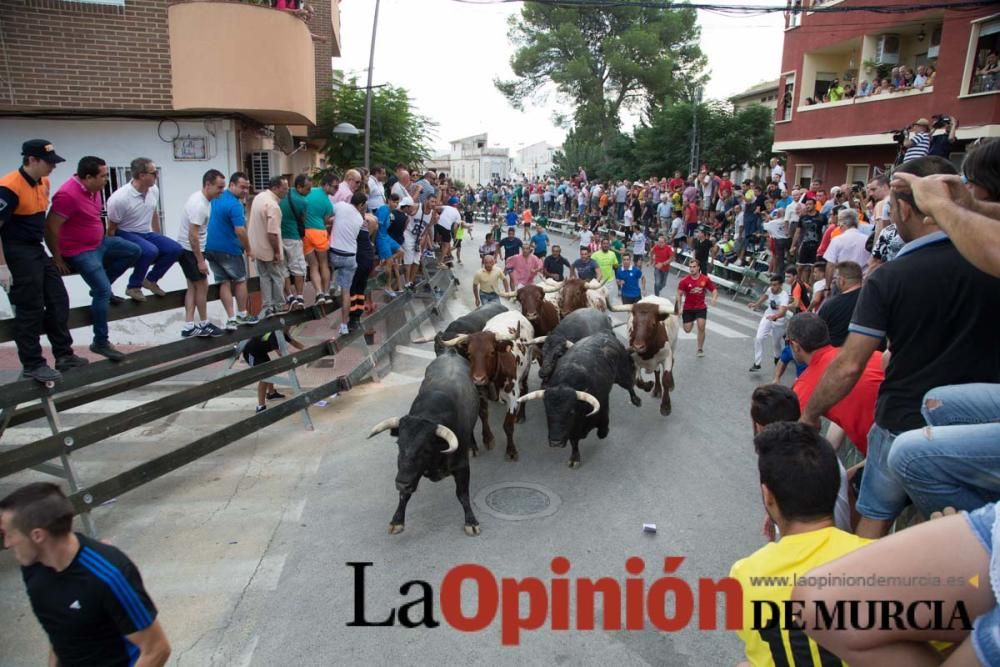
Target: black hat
(41, 149)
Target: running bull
(575, 326)
(576, 399)
(536, 307)
(434, 438)
(652, 336)
(499, 358)
(469, 323)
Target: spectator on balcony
(920, 80)
(884, 88)
(133, 215)
(296, 7)
(74, 233)
(906, 78)
(864, 89)
(919, 141)
(895, 77)
(835, 91)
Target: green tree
(602, 59)
(398, 132)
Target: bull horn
(384, 425)
(448, 436)
(549, 289)
(666, 311)
(507, 295)
(621, 307)
(537, 341)
(620, 324)
(532, 396)
(589, 398)
(457, 340)
(425, 339)
(569, 344)
(593, 284)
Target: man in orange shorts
(316, 240)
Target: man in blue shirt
(540, 241)
(511, 218)
(225, 242)
(631, 282)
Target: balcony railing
(897, 94)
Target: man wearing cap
(74, 233)
(919, 141)
(133, 215)
(26, 272)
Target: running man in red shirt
(663, 254)
(691, 295)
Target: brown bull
(652, 335)
(573, 296)
(543, 314)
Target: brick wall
(321, 27)
(64, 55)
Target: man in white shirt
(445, 221)
(777, 229)
(586, 238)
(343, 253)
(772, 323)
(678, 233)
(133, 215)
(191, 237)
(376, 187)
(849, 246)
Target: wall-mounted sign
(191, 148)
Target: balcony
(239, 58)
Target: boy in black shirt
(87, 595)
(255, 352)
(554, 264)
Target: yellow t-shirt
(488, 281)
(780, 564)
(607, 261)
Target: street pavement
(246, 550)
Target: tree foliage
(398, 132)
(602, 59)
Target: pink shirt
(343, 193)
(524, 269)
(83, 230)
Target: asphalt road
(246, 552)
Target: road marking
(739, 319)
(294, 511)
(269, 572)
(415, 352)
(723, 331)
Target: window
(857, 172)
(787, 98)
(113, 3)
(982, 65)
(119, 176)
(793, 14)
(803, 175)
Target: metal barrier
(82, 386)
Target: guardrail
(84, 385)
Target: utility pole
(368, 89)
(695, 143)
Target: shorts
(984, 635)
(315, 239)
(630, 299)
(807, 253)
(256, 359)
(295, 258)
(345, 266)
(385, 247)
(441, 235)
(225, 267)
(690, 228)
(189, 265)
(458, 243)
(411, 255)
(689, 316)
(882, 495)
(540, 255)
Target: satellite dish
(283, 139)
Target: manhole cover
(516, 501)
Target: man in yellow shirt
(799, 480)
(606, 260)
(486, 280)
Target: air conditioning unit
(887, 49)
(263, 166)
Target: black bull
(577, 325)
(472, 322)
(576, 398)
(435, 436)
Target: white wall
(118, 142)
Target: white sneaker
(344, 330)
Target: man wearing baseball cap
(26, 271)
(919, 141)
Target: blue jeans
(99, 268)
(882, 496)
(659, 280)
(489, 297)
(955, 460)
(157, 250)
(985, 638)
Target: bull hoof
(573, 464)
(472, 529)
(489, 444)
(395, 528)
(657, 393)
(602, 433)
(511, 455)
(519, 419)
(665, 410)
(475, 452)
(645, 386)
(636, 401)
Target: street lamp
(368, 91)
(346, 130)
(695, 147)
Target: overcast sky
(446, 54)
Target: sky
(446, 54)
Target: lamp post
(695, 145)
(368, 89)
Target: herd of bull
(485, 357)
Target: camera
(939, 121)
(899, 136)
